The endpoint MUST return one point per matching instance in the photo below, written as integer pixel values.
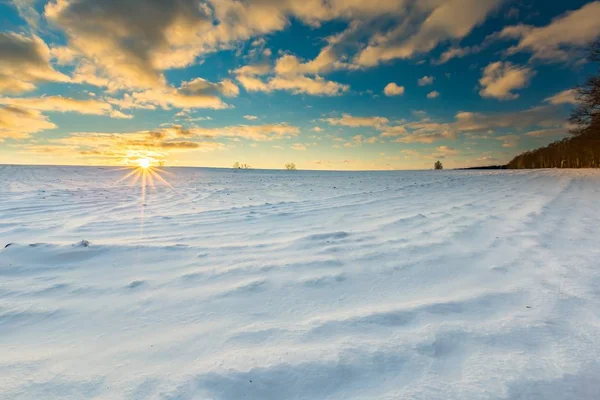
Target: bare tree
(586, 116)
(290, 166)
(582, 150)
(237, 165)
(438, 165)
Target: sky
(326, 84)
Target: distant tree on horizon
(290, 166)
(237, 165)
(438, 165)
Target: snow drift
(299, 285)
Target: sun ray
(148, 177)
(136, 177)
(162, 180)
(126, 176)
(149, 173)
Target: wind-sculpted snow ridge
(299, 285)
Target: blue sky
(327, 84)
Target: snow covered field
(268, 285)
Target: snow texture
(263, 285)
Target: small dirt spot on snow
(135, 284)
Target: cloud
(25, 61)
(454, 52)
(124, 147)
(128, 102)
(562, 39)
(433, 95)
(355, 122)
(509, 140)
(568, 96)
(426, 80)
(472, 124)
(64, 104)
(540, 116)
(252, 132)
(134, 40)
(326, 61)
(355, 141)
(64, 55)
(200, 86)
(170, 97)
(18, 122)
(500, 79)
(302, 84)
(317, 129)
(551, 132)
(392, 131)
(427, 132)
(247, 76)
(392, 89)
(480, 125)
(442, 152)
(424, 27)
(158, 143)
(250, 117)
(253, 70)
(27, 11)
(299, 147)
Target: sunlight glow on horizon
(144, 163)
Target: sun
(144, 163)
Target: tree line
(582, 148)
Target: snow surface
(300, 285)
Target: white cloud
(252, 132)
(560, 40)
(426, 131)
(287, 79)
(509, 140)
(433, 95)
(426, 80)
(171, 97)
(500, 79)
(250, 117)
(568, 96)
(62, 104)
(442, 152)
(391, 131)
(550, 132)
(18, 123)
(392, 89)
(299, 147)
(453, 52)
(474, 125)
(354, 122)
(200, 86)
(25, 61)
(424, 27)
(303, 84)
